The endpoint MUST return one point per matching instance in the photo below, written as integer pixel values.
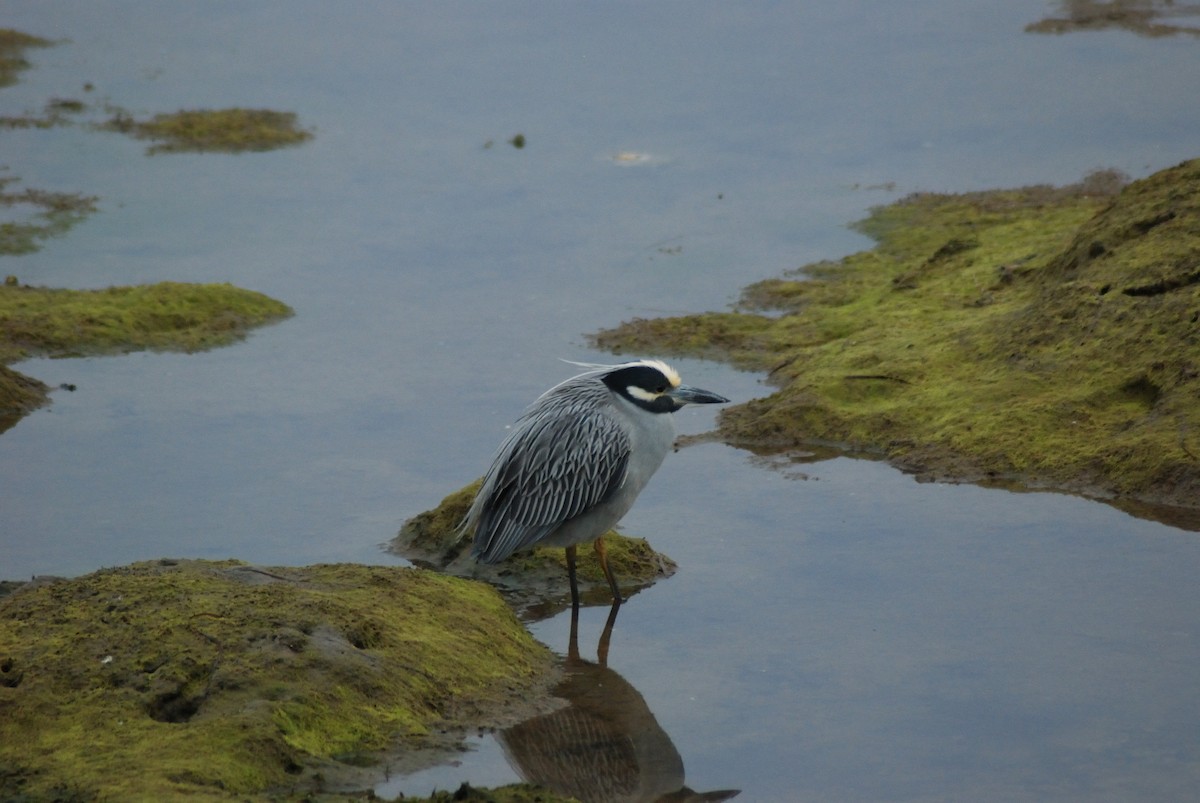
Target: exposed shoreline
(1044, 338)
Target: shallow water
(846, 636)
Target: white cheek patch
(641, 393)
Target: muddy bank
(208, 680)
(1048, 337)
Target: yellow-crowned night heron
(575, 462)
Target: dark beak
(689, 395)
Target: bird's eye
(661, 389)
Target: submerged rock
(201, 679)
(1043, 336)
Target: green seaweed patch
(176, 316)
(1049, 337)
(1137, 16)
(39, 321)
(225, 130)
(209, 680)
(19, 395)
(535, 581)
(13, 45)
(53, 214)
(57, 112)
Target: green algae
(206, 130)
(57, 112)
(231, 130)
(209, 680)
(535, 581)
(38, 321)
(19, 394)
(54, 214)
(1145, 18)
(13, 45)
(167, 315)
(1044, 336)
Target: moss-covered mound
(201, 679)
(1050, 336)
(166, 315)
(535, 582)
(19, 394)
(224, 130)
(38, 321)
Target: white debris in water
(633, 158)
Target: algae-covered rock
(19, 394)
(169, 315)
(39, 321)
(1047, 336)
(534, 581)
(200, 679)
(222, 130)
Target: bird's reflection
(605, 745)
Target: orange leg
(602, 554)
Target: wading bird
(577, 459)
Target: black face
(645, 386)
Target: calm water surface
(843, 633)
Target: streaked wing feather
(555, 466)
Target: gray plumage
(577, 459)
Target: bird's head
(655, 386)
